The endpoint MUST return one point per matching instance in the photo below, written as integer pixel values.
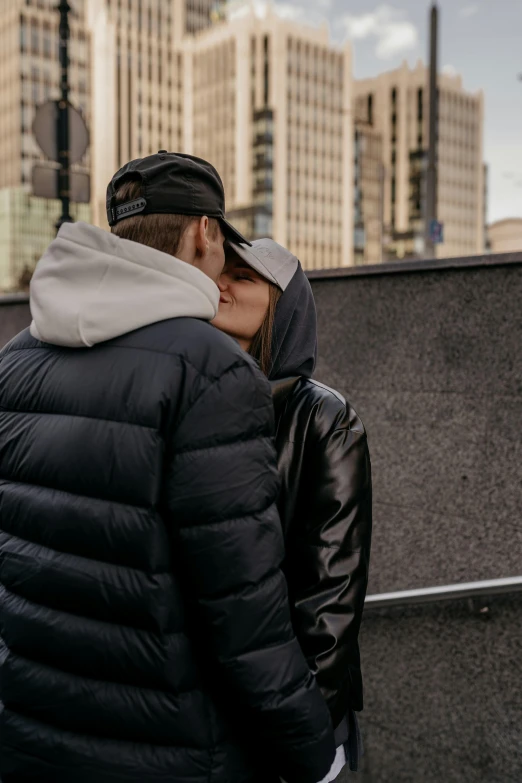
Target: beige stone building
(334, 171)
(269, 104)
(396, 104)
(126, 76)
(505, 236)
(29, 75)
(138, 80)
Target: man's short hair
(161, 231)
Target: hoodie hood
(294, 340)
(90, 286)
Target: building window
(47, 42)
(263, 225)
(35, 76)
(266, 71)
(34, 38)
(23, 34)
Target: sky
(479, 39)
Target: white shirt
(338, 764)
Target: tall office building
(396, 104)
(269, 104)
(138, 102)
(29, 75)
(126, 76)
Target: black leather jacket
(326, 511)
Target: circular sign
(45, 129)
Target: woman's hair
(261, 348)
(162, 232)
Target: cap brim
(252, 260)
(232, 234)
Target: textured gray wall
(443, 693)
(432, 361)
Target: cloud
(450, 70)
(468, 10)
(292, 12)
(237, 9)
(389, 26)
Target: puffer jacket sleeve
(222, 491)
(329, 557)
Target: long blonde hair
(261, 348)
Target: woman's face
(244, 300)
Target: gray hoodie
(91, 286)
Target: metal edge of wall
(14, 299)
(405, 267)
(440, 593)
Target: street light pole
(63, 117)
(431, 178)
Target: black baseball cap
(172, 184)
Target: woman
(325, 504)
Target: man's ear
(200, 238)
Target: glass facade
(368, 194)
(27, 226)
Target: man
(145, 625)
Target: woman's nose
(222, 283)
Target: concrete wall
(431, 357)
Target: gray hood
(91, 286)
(294, 338)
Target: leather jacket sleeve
(328, 547)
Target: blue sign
(436, 232)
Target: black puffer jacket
(144, 620)
(325, 504)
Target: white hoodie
(91, 286)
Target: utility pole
(63, 117)
(382, 184)
(431, 177)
